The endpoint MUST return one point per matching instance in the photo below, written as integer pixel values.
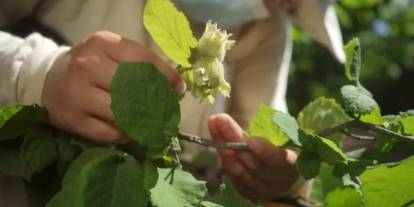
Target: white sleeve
(24, 64)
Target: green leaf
(157, 153)
(357, 101)
(103, 178)
(324, 183)
(67, 152)
(16, 120)
(353, 60)
(150, 175)
(327, 150)
(11, 162)
(392, 122)
(177, 189)
(262, 125)
(330, 152)
(42, 187)
(389, 185)
(343, 197)
(308, 164)
(407, 113)
(38, 150)
(320, 114)
(175, 145)
(373, 117)
(228, 197)
(146, 108)
(288, 126)
(83, 142)
(170, 29)
(7, 112)
(408, 125)
(360, 4)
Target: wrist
(35, 58)
(55, 75)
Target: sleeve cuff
(35, 58)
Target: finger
(267, 152)
(224, 128)
(121, 49)
(262, 183)
(232, 167)
(100, 131)
(281, 178)
(214, 129)
(271, 175)
(228, 128)
(98, 104)
(250, 162)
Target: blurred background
(386, 32)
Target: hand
(284, 5)
(76, 89)
(262, 173)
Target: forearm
(24, 64)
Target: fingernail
(180, 87)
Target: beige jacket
(257, 66)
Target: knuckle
(81, 66)
(95, 39)
(77, 64)
(99, 38)
(141, 54)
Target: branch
(387, 132)
(342, 128)
(374, 128)
(357, 136)
(338, 128)
(212, 143)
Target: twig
(374, 128)
(342, 128)
(384, 131)
(357, 136)
(338, 128)
(212, 143)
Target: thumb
(224, 128)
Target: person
(72, 81)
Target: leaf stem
(212, 143)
